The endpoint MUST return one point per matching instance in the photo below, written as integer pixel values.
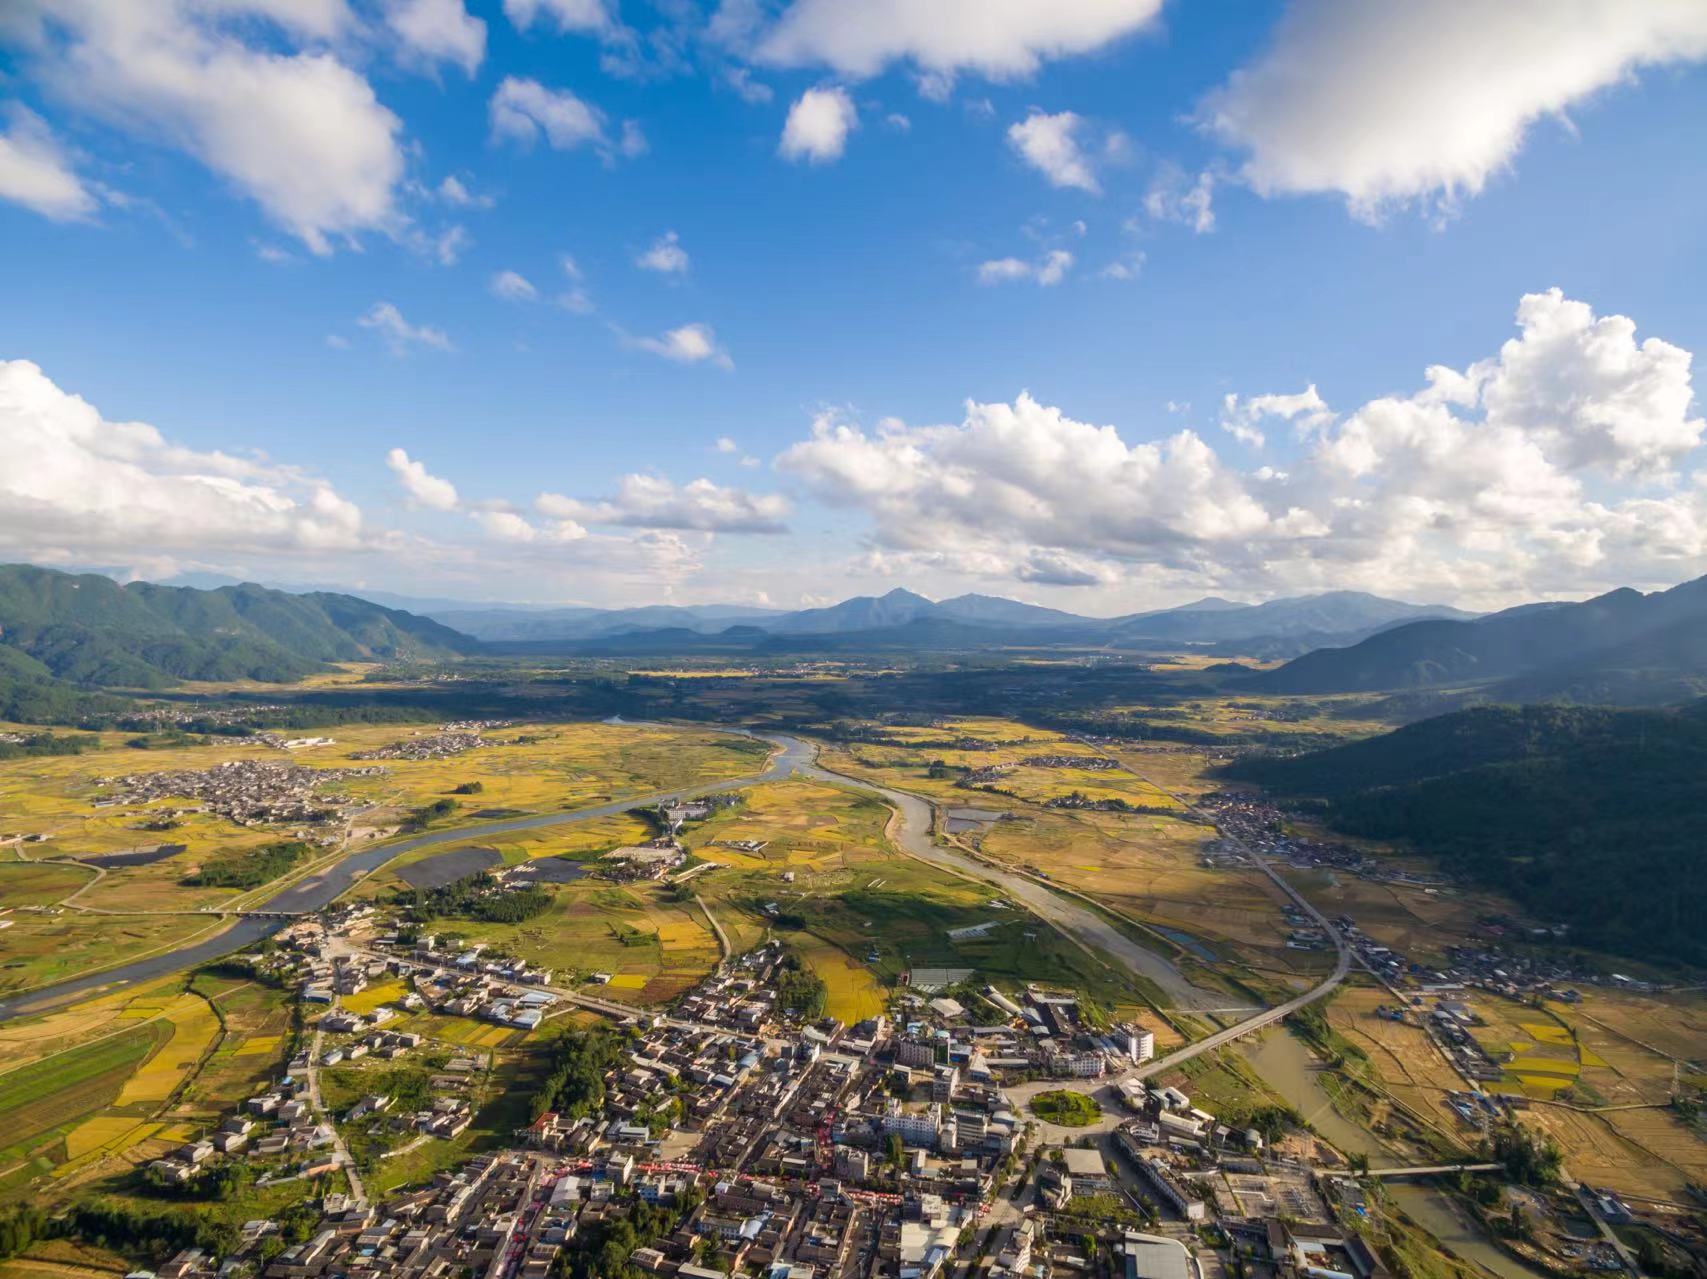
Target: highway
(1266, 1018)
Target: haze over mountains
(902, 619)
(1621, 648)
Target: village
(248, 792)
(450, 740)
(742, 1131)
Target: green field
(43, 1100)
(40, 883)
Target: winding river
(1288, 1067)
(792, 757)
(1279, 1057)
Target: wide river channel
(1279, 1057)
(792, 757)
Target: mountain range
(902, 619)
(1623, 648)
(1620, 648)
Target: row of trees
(475, 897)
(250, 868)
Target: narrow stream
(1289, 1068)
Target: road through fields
(792, 757)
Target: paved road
(1585, 1196)
(1342, 965)
(1421, 1170)
(312, 1073)
(913, 833)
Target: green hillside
(1586, 816)
(1621, 648)
(89, 630)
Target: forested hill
(87, 629)
(1586, 816)
(1623, 647)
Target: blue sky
(872, 226)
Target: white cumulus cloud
(1000, 39)
(653, 502)
(1559, 465)
(583, 16)
(524, 110)
(423, 487)
(293, 128)
(1050, 269)
(434, 31)
(76, 484)
(1387, 104)
(689, 344)
(818, 125)
(399, 335)
(513, 286)
(1240, 415)
(1172, 198)
(36, 172)
(664, 255)
(1050, 144)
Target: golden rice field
(1603, 1101)
(638, 931)
(462, 1031)
(60, 1258)
(1638, 1152)
(107, 1082)
(1419, 922)
(852, 991)
(103, 1135)
(194, 1027)
(376, 996)
(804, 825)
(532, 768)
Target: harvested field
(556, 870)
(1652, 1155)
